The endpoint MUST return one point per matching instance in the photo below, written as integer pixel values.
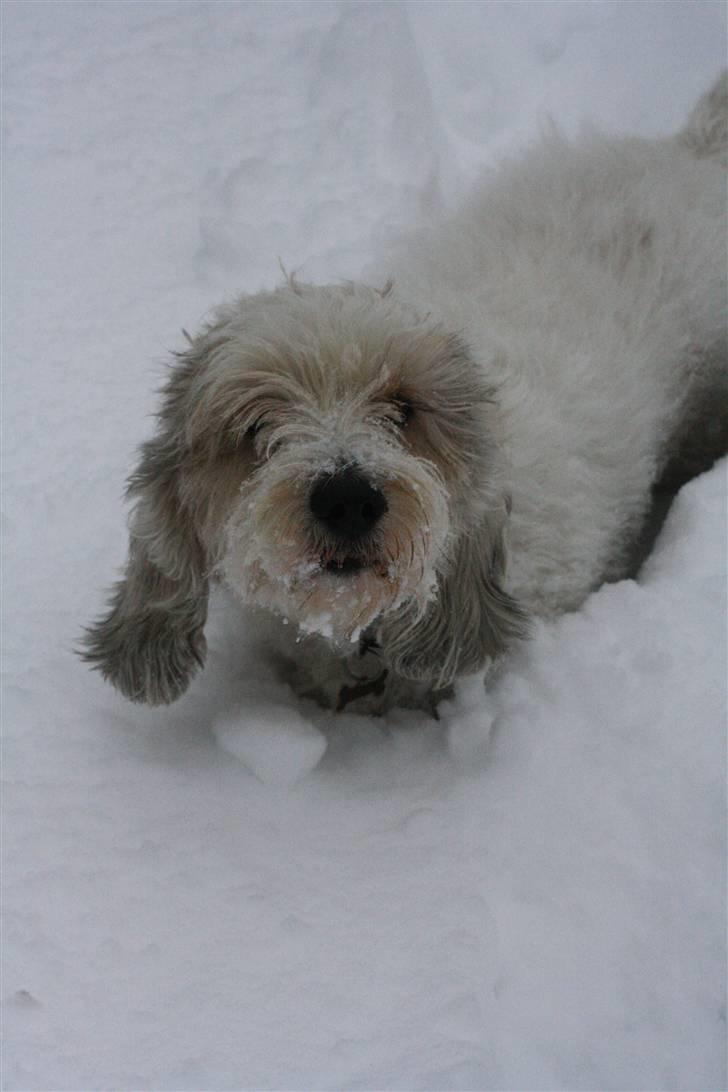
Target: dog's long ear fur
(472, 620)
(151, 641)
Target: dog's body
(415, 470)
(592, 279)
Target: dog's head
(329, 454)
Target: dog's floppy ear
(472, 620)
(151, 641)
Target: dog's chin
(336, 598)
(342, 599)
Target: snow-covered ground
(414, 911)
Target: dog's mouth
(345, 566)
(355, 564)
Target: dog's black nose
(347, 504)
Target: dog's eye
(253, 435)
(254, 431)
(404, 412)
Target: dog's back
(706, 132)
(702, 435)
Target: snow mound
(274, 741)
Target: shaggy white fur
(590, 280)
(403, 475)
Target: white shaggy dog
(403, 475)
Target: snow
(275, 742)
(245, 891)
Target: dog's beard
(278, 557)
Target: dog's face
(337, 445)
(330, 455)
